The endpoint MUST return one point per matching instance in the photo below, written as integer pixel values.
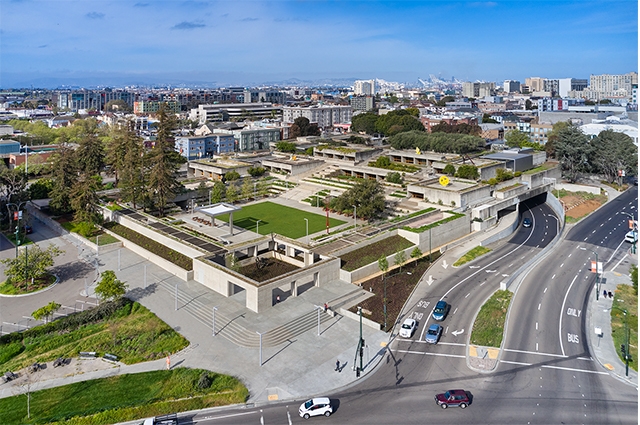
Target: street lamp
(258, 226)
(307, 225)
(17, 206)
(597, 273)
(632, 227)
(355, 217)
(625, 347)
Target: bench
(59, 362)
(9, 376)
(87, 354)
(111, 357)
(36, 367)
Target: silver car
(432, 336)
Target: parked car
(453, 398)
(432, 336)
(441, 310)
(408, 328)
(316, 407)
(526, 222)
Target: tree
(46, 312)
(364, 123)
(256, 171)
(367, 196)
(286, 147)
(573, 150)
(399, 258)
(302, 127)
(131, 172)
(40, 189)
(247, 188)
(613, 151)
(218, 192)
(263, 187)
(394, 177)
(232, 262)
(90, 154)
(467, 171)
(164, 162)
(64, 176)
(382, 162)
(13, 184)
(449, 170)
(552, 137)
(232, 193)
(486, 119)
(31, 263)
(416, 254)
(383, 265)
(202, 191)
(634, 277)
(84, 199)
(516, 138)
(232, 175)
(110, 288)
(463, 128)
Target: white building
(511, 86)
(364, 87)
(323, 115)
(617, 124)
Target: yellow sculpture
(444, 180)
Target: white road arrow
(474, 267)
(505, 275)
(444, 264)
(491, 271)
(456, 333)
(430, 280)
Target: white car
(316, 407)
(408, 328)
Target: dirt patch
(577, 206)
(76, 366)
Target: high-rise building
(609, 83)
(534, 84)
(362, 103)
(511, 86)
(364, 87)
(478, 89)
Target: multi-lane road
(545, 374)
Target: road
(546, 373)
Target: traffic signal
(623, 349)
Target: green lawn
(488, 328)
(125, 398)
(275, 218)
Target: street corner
(609, 367)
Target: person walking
(337, 365)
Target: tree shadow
(70, 271)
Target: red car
(454, 398)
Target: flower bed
(273, 268)
(369, 253)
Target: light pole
(355, 217)
(361, 342)
(257, 226)
(319, 308)
(260, 334)
(18, 206)
(625, 347)
(597, 273)
(213, 324)
(632, 227)
(307, 225)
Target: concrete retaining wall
(367, 322)
(372, 268)
(578, 188)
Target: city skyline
(116, 43)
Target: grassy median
(489, 325)
(471, 255)
(625, 299)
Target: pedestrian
(325, 307)
(604, 293)
(338, 365)
(168, 362)
(277, 299)
(610, 294)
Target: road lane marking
(431, 354)
(457, 344)
(516, 363)
(536, 325)
(533, 352)
(454, 311)
(229, 416)
(575, 370)
(536, 346)
(545, 289)
(539, 305)
(564, 301)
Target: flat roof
(218, 209)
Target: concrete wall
(173, 243)
(515, 191)
(367, 322)
(376, 238)
(537, 179)
(506, 232)
(372, 268)
(578, 188)
(439, 235)
(183, 274)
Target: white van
(631, 237)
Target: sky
(49, 43)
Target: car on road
(441, 310)
(408, 328)
(631, 237)
(316, 407)
(28, 229)
(452, 398)
(526, 222)
(433, 334)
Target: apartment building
(323, 115)
(566, 85)
(477, 89)
(198, 147)
(511, 86)
(151, 107)
(362, 103)
(233, 111)
(534, 84)
(250, 139)
(364, 87)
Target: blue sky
(46, 43)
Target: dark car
(28, 229)
(526, 222)
(453, 398)
(441, 310)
